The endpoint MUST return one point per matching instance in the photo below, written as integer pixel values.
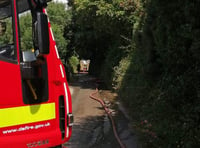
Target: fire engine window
(25, 25)
(25, 22)
(7, 50)
(34, 71)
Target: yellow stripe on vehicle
(26, 114)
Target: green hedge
(162, 83)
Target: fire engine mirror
(2, 28)
(42, 33)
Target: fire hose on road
(109, 115)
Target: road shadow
(86, 81)
(89, 133)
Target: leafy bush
(74, 62)
(60, 18)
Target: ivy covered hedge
(162, 84)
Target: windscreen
(7, 51)
(7, 48)
(5, 7)
(5, 10)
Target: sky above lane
(63, 1)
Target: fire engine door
(10, 78)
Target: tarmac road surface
(92, 127)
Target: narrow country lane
(92, 127)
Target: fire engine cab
(35, 101)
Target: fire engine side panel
(57, 80)
(25, 125)
(10, 85)
(38, 134)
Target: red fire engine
(35, 101)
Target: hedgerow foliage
(161, 85)
(148, 50)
